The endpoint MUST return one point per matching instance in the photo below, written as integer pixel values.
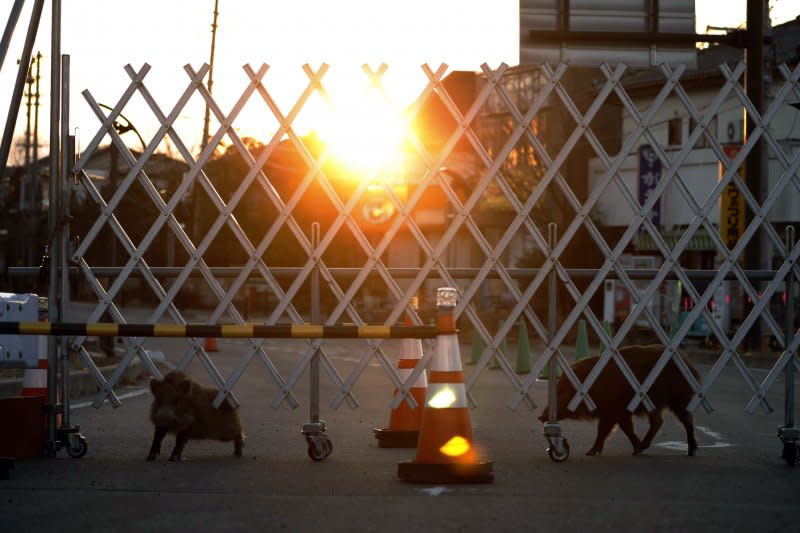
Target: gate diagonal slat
(679, 334)
(492, 343)
(195, 346)
(492, 173)
(664, 251)
(462, 216)
(595, 234)
(138, 252)
(287, 297)
(622, 275)
(758, 218)
(539, 239)
(609, 263)
(376, 262)
(721, 248)
(226, 298)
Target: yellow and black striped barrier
(256, 331)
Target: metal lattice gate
(491, 174)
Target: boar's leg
(180, 441)
(687, 420)
(238, 444)
(155, 448)
(604, 427)
(626, 424)
(656, 421)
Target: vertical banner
(649, 175)
(731, 216)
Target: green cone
(523, 350)
(609, 332)
(582, 344)
(502, 353)
(477, 349)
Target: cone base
(396, 438)
(414, 472)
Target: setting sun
(363, 133)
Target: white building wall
(700, 171)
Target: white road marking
(435, 491)
(712, 434)
(681, 446)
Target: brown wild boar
(611, 393)
(184, 407)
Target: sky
(102, 37)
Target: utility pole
(37, 182)
(207, 118)
(756, 165)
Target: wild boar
(611, 393)
(184, 407)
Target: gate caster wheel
(320, 448)
(790, 453)
(555, 455)
(78, 449)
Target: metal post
(559, 447)
(319, 445)
(53, 218)
(66, 166)
(789, 396)
(551, 326)
(789, 435)
(315, 319)
(19, 84)
(756, 162)
(13, 17)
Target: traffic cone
(523, 350)
(582, 344)
(34, 383)
(477, 349)
(445, 451)
(34, 380)
(673, 328)
(210, 344)
(404, 421)
(607, 328)
(504, 351)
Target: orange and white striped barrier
(34, 380)
(34, 385)
(445, 450)
(404, 421)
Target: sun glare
(364, 136)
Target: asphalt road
(737, 482)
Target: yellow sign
(732, 206)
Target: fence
(469, 212)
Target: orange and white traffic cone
(34, 380)
(445, 451)
(404, 422)
(210, 344)
(34, 385)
